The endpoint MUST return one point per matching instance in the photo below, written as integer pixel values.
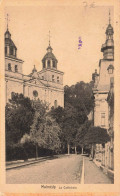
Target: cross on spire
(7, 19)
(49, 38)
(109, 17)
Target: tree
(44, 130)
(37, 128)
(52, 134)
(96, 135)
(82, 131)
(68, 121)
(80, 96)
(18, 118)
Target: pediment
(35, 81)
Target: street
(63, 170)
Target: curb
(26, 163)
(29, 163)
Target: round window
(35, 93)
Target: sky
(30, 25)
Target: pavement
(70, 169)
(21, 163)
(93, 174)
(63, 170)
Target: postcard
(60, 73)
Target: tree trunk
(36, 151)
(75, 150)
(82, 150)
(92, 151)
(68, 149)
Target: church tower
(13, 67)
(12, 64)
(102, 84)
(52, 78)
(49, 71)
(108, 47)
(100, 91)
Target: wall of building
(101, 111)
(48, 75)
(46, 94)
(13, 62)
(13, 85)
(104, 76)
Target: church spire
(49, 48)
(7, 33)
(34, 69)
(108, 47)
(7, 19)
(109, 17)
(49, 38)
(10, 48)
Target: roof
(49, 55)
(109, 28)
(9, 42)
(7, 32)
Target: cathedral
(45, 85)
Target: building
(46, 85)
(110, 101)
(101, 90)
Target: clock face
(35, 93)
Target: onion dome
(109, 30)
(10, 48)
(49, 61)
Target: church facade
(45, 85)
(102, 86)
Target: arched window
(53, 79)
(16, 68)
(102, 119)
(58, 80)
(44, 65)
(9, 67)
(54, 64)
(48, 64)
(110, 69)
(5, 50)
(11, 50)
(55, 104)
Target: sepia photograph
(58, 102)
(59, 91)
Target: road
(64, 170)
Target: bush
(25, 151)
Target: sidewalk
(93, 174)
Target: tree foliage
(18, 118)
(45, 132)
(73, 117)
(80, 96)
(28, 121)
(96, 135)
